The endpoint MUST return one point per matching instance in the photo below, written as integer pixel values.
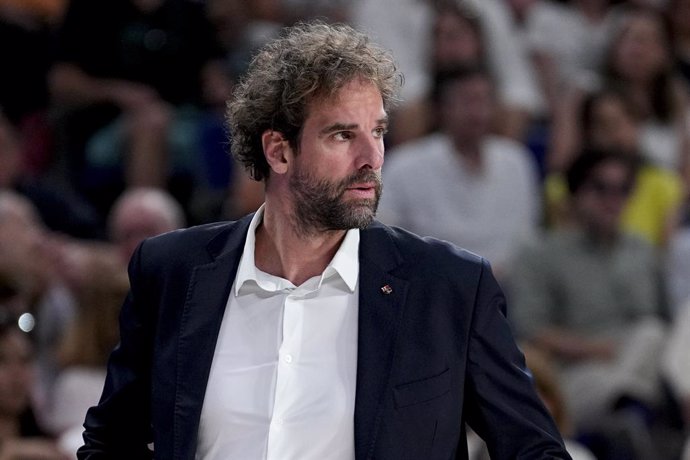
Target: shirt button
(288, 359)
(278, 421)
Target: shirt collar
(345, 262)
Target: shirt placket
(286, 392)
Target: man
(589, 295)
(480, 190)
(306, 330)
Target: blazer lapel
(381, 300)
(207, 296)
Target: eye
(380, 131)
(343, 136)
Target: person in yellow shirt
(607, 123)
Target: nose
(370, 153)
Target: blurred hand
(132, 96)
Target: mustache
(362, 176)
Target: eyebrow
(346, 127)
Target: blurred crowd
(551, 137)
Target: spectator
(463, 184)
(141, 213)
(21, 437)
(607, 122)
(589, 295)
(414, 29)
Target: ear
(276, 150)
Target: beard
(320, 204)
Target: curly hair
(308, 61)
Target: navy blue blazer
(434, 353)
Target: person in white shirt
(480, 190)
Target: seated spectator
(140, 213)
(21, 437)
(445, 34)
(607, 122)
(589, 296)
(464, 184)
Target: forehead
(356, 96)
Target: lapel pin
(387, 289)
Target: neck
(284, 250)
(470, 152)
(602, 238)
(593, 11)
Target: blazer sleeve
(503, 406)
(120, 425)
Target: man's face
(455, 42)
(467, 108)
(336, 175)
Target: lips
(367, 186)
(363, 191)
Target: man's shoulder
(194, 244)
(198, 235)
(425, 252)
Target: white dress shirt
(283, 377)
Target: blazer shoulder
(192, 245)
(428, 252)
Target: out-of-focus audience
(31, 255)
(112, 130)
(135, 78)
